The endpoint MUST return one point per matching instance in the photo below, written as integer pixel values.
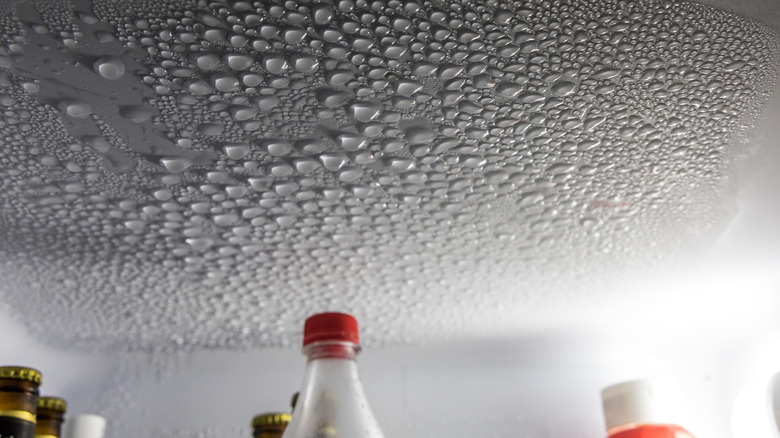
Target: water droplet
(293, 35)
(110, 67)
(333, 98)
(238, 61)
(224, 82)
(225, 220)
(163, 194)
(136, 113)
(339, 77)
(211, 128)
(304, 63)
(286, 221)
(75, 108)
(236, 151)
(406, 87)
(176, 164)
(349, 173)
(276, 147)
(98, 143)
(305, 165)
(606, 73)
(351, 142)
(563, 88)
(416, 135)
(322, 14)
(286, 188)
(333, 161)
(275, 64)
(509, 90)
(364, 111)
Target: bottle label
(14, 427)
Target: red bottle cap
(331, 326)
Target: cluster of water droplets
(207, 173)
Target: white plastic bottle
(85, 426)
(643, 409)
(331, 402)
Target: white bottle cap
(647, 401)
(84, 426)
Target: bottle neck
(276, 433)
(332, 402)
(18, 399)
(49, 423)
(331, 350)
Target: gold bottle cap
(271, 419)
(53, 403)
(21, 373)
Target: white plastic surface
(647, 401)
(776, 402)
(85, 426)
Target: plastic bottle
(50, 416)
(331, 401)
(642, 409)
(85, 426)
(18, 401)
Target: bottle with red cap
(643, 409)
(331, 402)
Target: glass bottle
(18, 398)
(642, 409)
(50, 416)
(85, 426)
(270, 425)
(331, 401)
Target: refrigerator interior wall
(502, 370)
(548, 387)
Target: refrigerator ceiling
(194, 174)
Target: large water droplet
(351, 142)
(333, 161)
(176, 164)
(75, 108)
(110, 67)
(276, 147)
(364, 111)
(236, 151)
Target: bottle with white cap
(85, 426)
(331, 401)
(643, 409)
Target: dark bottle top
(18, 401)
(270, 425)
(51, 415)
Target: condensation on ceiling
(180, 174)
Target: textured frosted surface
(202, 174)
